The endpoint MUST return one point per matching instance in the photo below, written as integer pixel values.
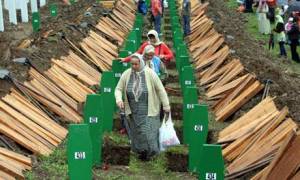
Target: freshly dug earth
(45, 44)
(177, 161)
(256, 59)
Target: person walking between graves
(263, 23)
(142, 7)
(143, 95)
(161, 49)
(271, 10)
(154, 62)
(293, 36)
(156, 10)
(186, 14)
(279, 29)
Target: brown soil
(44, 47)
(115, 154)
(177, 162)
(286, 86)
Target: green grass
(179, 149)
(116, 138)
(51, 167)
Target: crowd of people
(157, 11)
(140, 92)
(280, 19)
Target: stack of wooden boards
(255, 138)
(97, 48)
(286, 163)
(13, 164)
(228, 86)
(263, 137)
(29, 114)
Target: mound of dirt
(286, 86)
(45, 44)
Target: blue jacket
(156, 62)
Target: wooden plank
(60, 93)
(66, 113)
(269, 145)
(226, 87)
(6, 176)
(9, 169)
(21, 158)
(58, 133)
(265, 106)
(221, 104)
(14, 163)
(286, 164)
(30, 124)
(23, 135)
(239, 101)
(266, 170)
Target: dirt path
(255, 58)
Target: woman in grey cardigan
(144, 93)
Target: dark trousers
(272, 14)
(293, 45)
(186, 25)
(157, 23)
(282, 48)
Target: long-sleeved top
(156, 7)
(293, 33)
(161, 49)
(156, 92)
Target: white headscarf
(149, 49)
(137, 78)
(155, 34)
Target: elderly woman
(263, 23)
(154, 62)
(161, 49)
(143, 95)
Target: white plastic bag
(167, 134)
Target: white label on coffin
(93, 120)
(211, 176)
(79, 155)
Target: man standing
(186, 13)
(156, 10)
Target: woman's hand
(120, 104)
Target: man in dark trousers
(293, 35)
(186, 14)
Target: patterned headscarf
(137, 78)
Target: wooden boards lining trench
(263, 138)
(30, 113)
(228, 86)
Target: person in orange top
(161, 49)
(156, 10)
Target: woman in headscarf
(161, 49)
(279, 29)
(143, 95)
(154, 62)
(263, 22)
